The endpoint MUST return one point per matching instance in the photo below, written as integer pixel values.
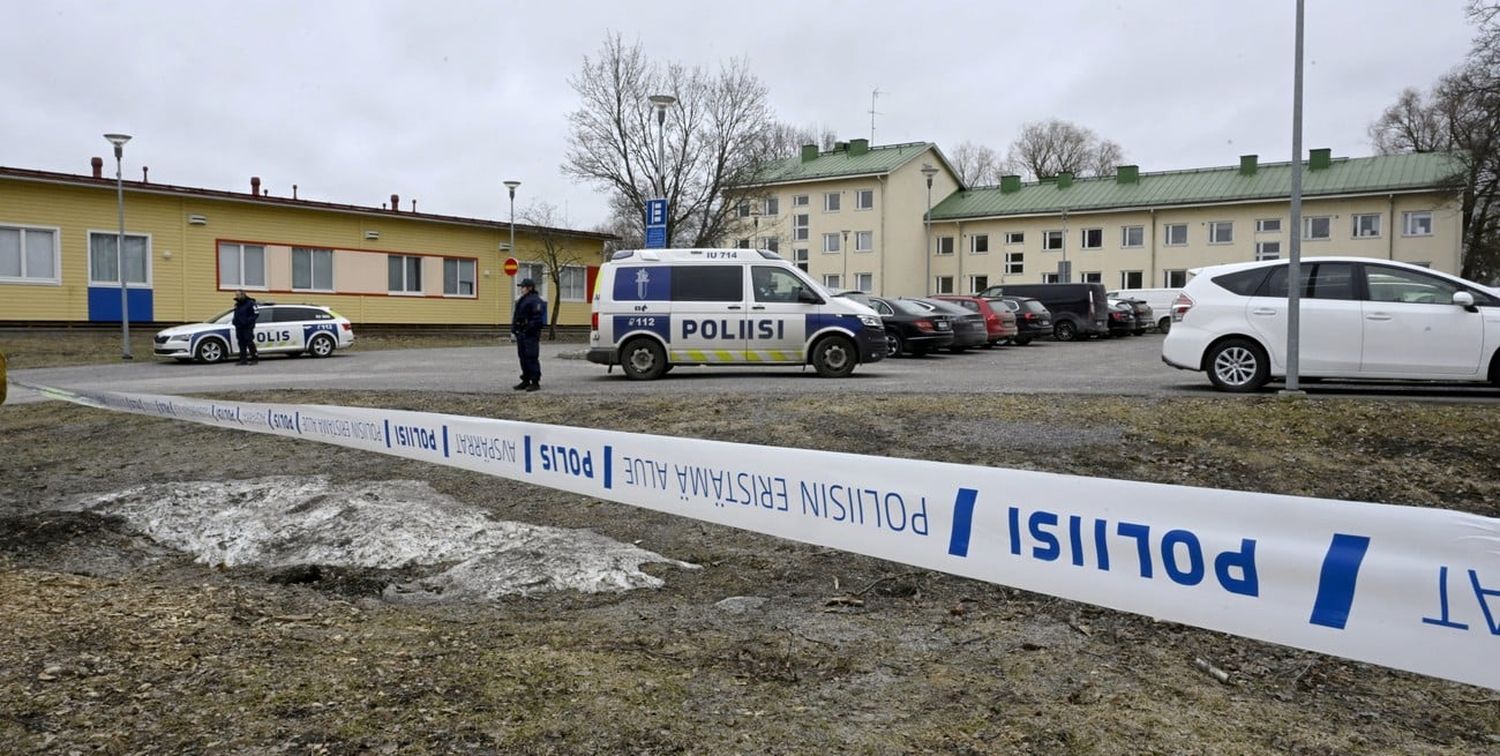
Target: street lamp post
(844, 253)
(1294, 264)
(661, 102)
(119, 140)
(928, 171)
(510, 187)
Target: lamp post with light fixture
(510, 187)
(661, 102)
(928, 171)
(119, 140)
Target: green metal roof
(879, 159)
(1384, 173)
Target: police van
(654, 309)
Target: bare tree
(1047, 148)
(977, 165)
(718, 134)
(1410, 125)
(557, 252)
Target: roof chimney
(1128, 174)
(1319, 159)
(1011, 183)
(145, 174)
(1064, 179)
(1248, 165)
(858, 147)
(255, 185)
(414, 205)
(98, 166)
(395, 203)
(294, 191)
(809, 154)
(840, 146)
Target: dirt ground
(115, 644)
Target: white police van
(654, 309)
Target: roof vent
(1128, 174)
(197, 220)
(1064, 179)
(858, 147)
(1010, 184)
(255, 185)
(1319, 159)
(395, 203)
(372, 234)
(98, 165)
(1248, 165)
(809, 153)
(840, 146)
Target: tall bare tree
(977, 165)
(1047, 148)
(557, 252)
(718, 134)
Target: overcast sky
(442, 101)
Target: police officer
(526, 326)
(246, 311)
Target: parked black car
(969, 329)
(1140, 311)
(1033, 319)
(1078, 309)
(909, 329)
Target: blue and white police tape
(1405, 587)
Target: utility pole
(1294, 266)
(873, 94)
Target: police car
(293, 329)
(654, 309)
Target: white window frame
(1048, 236)
(864, 241)
(832, 281)
(405, 290)
(1051, 278)
(313, 270)
(1125, 237)
(1083, 238)
(864, 282)
(833, 201)
(1015, 237)
(56, 278)
(974, 244)
(535, 271)
(859, 199)
(1097, 276)
(772, 206)
(742, 209)
(940, 241)
(115, 282)
(772, 243)
(1166, 278)
(473, 277)
(942, 285)
(1140, 279)
(1214, 229)
(1265, 225)
(801, 200)
(1166, 236)
(831, 244)
(1411, 215)
(1307, 224)
(1354, 225)
(801, 224)
(240, 256)
(1261, 253)
(1015, 263)
(978, 282)
(565, 287)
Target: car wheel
(1164, 325)
(321, 346)
(893, 345)
(211, 350)
(834, 357)
(643, 360)
(1238, 365)
(1065, 331)
(1021, 340)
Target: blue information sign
(656, 223)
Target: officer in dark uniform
(246, 311)
(526, 326)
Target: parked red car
(998, 319)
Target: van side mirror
(807, 296)
(1465, 300)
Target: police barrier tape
(1405, 587)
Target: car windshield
(938, 305)
(1034, 305)
(909, 307)
(223, 317)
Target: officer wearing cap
(526, 326)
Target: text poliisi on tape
(1404, 587)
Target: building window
(1092, 276)
(1051, 278)
(458, 277)
(104, 265)
(979, 244)
(1175, 235)
(770, 242)
(864, 282)
(1221, 232)
(978, 283)
(242, 266)
(1052, 240)
(537, 273)
(799, 227)
(800, 257)
(29, 255)
(1416, 223)
(1015, 237)
(864, 241)
(942, 285)
(1317, 227)
(1131, 279)
(830, 242)
(831, 202)
(864, 199)
(833, 281)
(1132, 236)
(1268, 225)
(1091, 238)
(1174, 279)
(773, 206)
(404, 273)
(312, 269)
(1268, 250)
(1015, 263)
(1366, 226)
(945, 245)
(742, 209)
(571, 283)
(742, 244)
(799, 200)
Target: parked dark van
(1078, 309)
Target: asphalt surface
(1127, 367)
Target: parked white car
(1160, 300)
(1361, 318)
(293, 329)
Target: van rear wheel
(834, 357)
(1065, 331)
(643, 360)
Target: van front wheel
(643, 360)
(834, 357)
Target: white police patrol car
(294, 329)
(657, 308)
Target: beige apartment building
(1129, 230)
